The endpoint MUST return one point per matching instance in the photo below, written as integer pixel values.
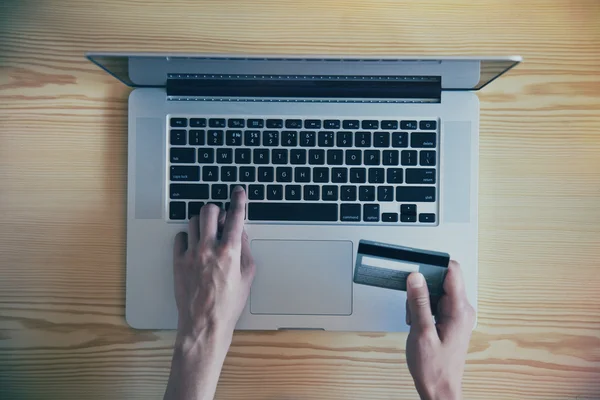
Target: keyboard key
(255, 123)
(256, 192)
(358, 175)
(216, 122)
(185, 173)
(326, 139)
(408, 218)
(371, 212)
(236, 123)
(214, 138)
(232, 187)
(219, 191)
(427, 158)
(242, 156)
(198, 122)
(178, 137)
(251, 138)
(270, 138)
(293, 123)
(275, 123)
(298, 156)
(210, 173)
(389, 124)
(362, 139)
(415, 193)
(372, 157)
(317, 212)
(233, 138)
(194, 208)
(316, 157)
(196, 137)
(283, 174)
(261, 156)
(408, 209)
(320, 175)
(312, 124)
(229, 174)
(353, 157)
(350, 212)
(420, 175)
(335, 157)
(177, 210)
(293, 192)
(274, 192)
(391, 157)
(331, 124)
(408, 125)
(399, 139)
(182, 155)
(206, 155)
(302, 174)
(266, 174)
(339, 175)
(330, 193)
(423, 140)
(351, 124)
(348, 193)
(381, 139)
(224, 156)
(178, 123)
(427, 218)
(311, 192)
(408, 157)
(428, 125)
(344, 139)
(394, 175)
(279, 156)
(289, 138)
(247, 174)
(308, 139)
(376, 175)
(188, 191)
(385, 193)
(389, 217)
(366, 193)
(370, 124)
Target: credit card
(388, 266)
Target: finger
(418, 303)
(454, 285)
(180, 245)
(193, 232)
(221, 223)
(247, 261)
(408, 321)
(209, 216)
(234, 223)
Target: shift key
(189, 191)
(415, 193)
(185, 173)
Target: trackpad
(301, 277)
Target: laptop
(331, 151)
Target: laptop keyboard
(306, 170)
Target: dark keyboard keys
(298, 156)
(351, 124)
(389, 124)
(372, 157)
(214, 138)
(408, 209)
(293, 123)
(408, 218)
(216, 123)
(302, 174)
(271, 138)
(185, 173)
(371, 212)
(252, 138)
(293, 192)
(177, 210)
(344, 139)
(408, 157)
(335, 157)
(247, 174)
(427, 140)
(339, 175)
(316, 157)
(279, 156)
(331, 124)
(391, 157)
(362, 139)
(320, 175)
(261, 156)
(376, 175)
(256, 192)
(198, 122)
(196, 137)
(370, 124)
(206, 155)
(224, 156)
(289, 138)
(353, 157)
(389, 217)
(312, 124)
(366, 193)
(358, 175)
(399, 139)
(385, 193)
(219, 191)
(408, 125)
(305, 212)
(348, 193)
(236, 123)
(283, 174)
(311, 193)
(178, 137)
(178, 123)
(233, 138)
(415, 193)
(188, 191)
(330, 193)
(420, 175)
(275, 123)
(308, 139)
(266, 174)
(350, 212)
(325, 139)
(274, 192)
(427, 158)
(427, 218)
(210, 173)
(182, 155)
(394, 175)
(255, 123)
(194, 208)
(428, 125)
(229, 174)
(242, 156)
(381, 139)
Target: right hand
(436, 353)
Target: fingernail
(238, 188)
(416, 280)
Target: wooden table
(62, 197)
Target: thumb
(418, 302)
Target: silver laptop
(331, 150)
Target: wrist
(443, 391)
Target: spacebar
(313, 212)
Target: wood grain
(62, 196)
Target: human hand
(436, 353)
